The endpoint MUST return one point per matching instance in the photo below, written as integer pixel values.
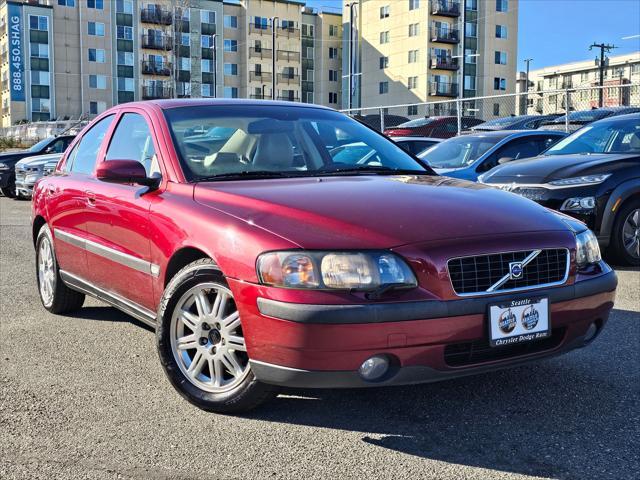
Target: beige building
(580, 76)
(411, 51)
(62, 59)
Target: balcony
(444, 35)
(260, 97)
(445, 8)
(259, 29)
(158, 16)
(288, 32)
(260, 53)
(289, 98)
(441, 62)
(156, 68)
(288, 78)
(156, 42)
(288, 55)
(443, 89)
(155, 92)
(260, 76)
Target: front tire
(201, 342)
(9, 191)
(54, 294)
(625, 237)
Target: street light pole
(274, 53)
(215, 65)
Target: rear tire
(54, 294)
(201, 343)
(625, 237)
(9, 191)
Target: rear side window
(132, 140)
(83, 157)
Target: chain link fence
(35, 131)
(548, 109)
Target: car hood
(554, 167)
(13, 156)
(375, 211)
(39, 160)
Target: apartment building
(61, 59)
(620, 70)
(412, 51)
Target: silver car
(30, 170)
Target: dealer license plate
(519, 321)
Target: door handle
(91, 197)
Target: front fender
(619, 195)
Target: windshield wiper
(370, 169)
(246, 174)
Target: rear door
(118, 256)
(67, 202)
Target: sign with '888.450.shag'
(16, 55)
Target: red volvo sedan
(261, 262)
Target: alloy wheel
(207, 339)
(631, 233)
(46, 271)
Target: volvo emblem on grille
(515, 270)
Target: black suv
(593, 175)
(8, 160)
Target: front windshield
(608, 136)
(279, 140)
(458, 152)
(40, 145)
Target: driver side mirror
(504, 160)
(125, 171)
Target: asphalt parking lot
(84, 396)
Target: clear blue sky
(560, 31)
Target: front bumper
(307, 345)
(6, 178)
(24, 188)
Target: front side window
(83, 158)
(132, 140)
(280, 141)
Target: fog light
(374, 368)
(592, 331)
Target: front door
(118, 251)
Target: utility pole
(601, 64)
(274, 53)
(215, 65)
(526, 86)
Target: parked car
(438, 127)
(469, 156)
(262, 263)
(373, 120)
(30, 170)
(577, 120)
(50, 167)
(416, 145)
(520, 122)
(8, 160)
(592, 175)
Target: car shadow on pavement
(565, 417)
(107, 314)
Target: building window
(383, 87)
(384, 62)
(39, 50)
(413, 56)
(230, 45)
(207, 16)
(231, 92)
(231, 69)
(584, 77)
(124, 32)
(125, 84)
(502, 5)
(471, 30)
(499, 83)
(384, 11)
(38, 22)
(230, 21)
(125, 58)
(412, 83)
(206, 65)
(96, 55)
(635, 69)
(470, 56)
(500, 58)
(95, 29)
(333, 30)
(414, 29)
(333, 52)
(39, 78)
(496, 109)
(97, 4)
(184, 64)
(501, 31)
(471, 5)
(124, 6)
(307, 30)
(333, 75)
(67, 3)
(98, 81)
(469, 82)
(261, 23)
(333, 98)
(384, 37)
(412, 110)
(206, 41)
(185, 40)
(207, 90)
(414, 4)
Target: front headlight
(581, 181)
(334, 270)
(4, 166)
(578, 204)
(587, 249)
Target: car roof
(413, 139)
(509, 133)
(196, 102)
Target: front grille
(479, 351)
(20, 174)
(475, 275)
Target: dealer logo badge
(515, 270)
(530, 317)
(507, 321)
